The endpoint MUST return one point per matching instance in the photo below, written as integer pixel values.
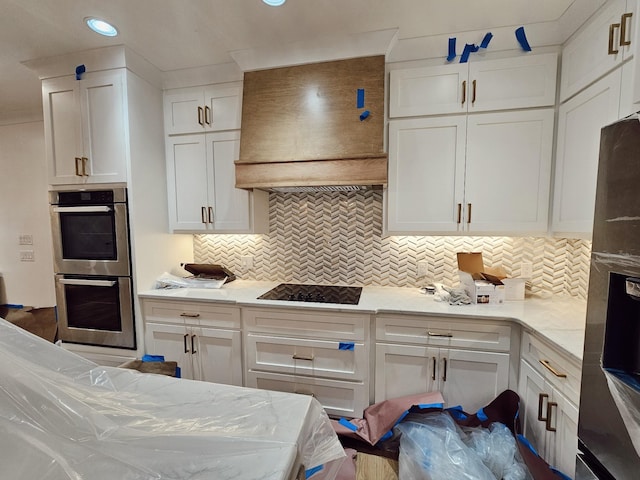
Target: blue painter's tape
(456, 412)
(469, 48)
(527, 444)
(522, 38)
(80, 69)
(153, 358)
(364, 115)
(346, 346)
(485, 41)
(481, 415)
(346, 423)
(360, 98)
(178, 372)
(13, 305)
(312, 471)
(431, 405)
(452, 49)
(386, 436)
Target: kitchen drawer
(310, 357)
(441, 332)
(340, 399)
(344, 327)
(556, 368)
(191, 313)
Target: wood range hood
(312, 127)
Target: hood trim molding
(369, 171)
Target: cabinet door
(534, 399)
(562, 443)
(405, 370)
(172, 341)
(184, 111)
(230, 206)
(517, 82)
(578, 147)
(508, 171)
(62, 129)
(104, 126)
(223, 107)
(596, 49)
(428, 90)
(187, 182)
(426, 174)
(472, 379)
(218, 355)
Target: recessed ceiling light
(274, 3)
(101, 27)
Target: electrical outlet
(27, 256)
(526, 270)
(246, 262)
(422, 268)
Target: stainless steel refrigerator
(609, 423)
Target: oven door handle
(96, 209)
(87, 283)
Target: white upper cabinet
(600, 46)
(510, 83)
(203, 109)
(201, 191)
(86, 128)
(485, 173)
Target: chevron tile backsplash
(337, 238)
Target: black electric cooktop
(295, 292)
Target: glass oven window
(93, 307)
(88, 236)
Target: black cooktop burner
(314, 293)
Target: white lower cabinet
(310, 352)
(468, 362)
(549, 392)
(204, 339)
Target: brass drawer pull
(459, 212)
(445, 335)
(612, 30)
(464, 92)
(547, 365)
(541, 399)
(193, 347)
(78, 161)
(302, 357)
(302, 392)
(444, 373)
(433, 373)
(200, 115)
(186, 349)
(473, 95)
(623, 29)
(207, 115)
(189, 315)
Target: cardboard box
(482, 285)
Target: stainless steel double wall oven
(92, 263)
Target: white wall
(24, 210)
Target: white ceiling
(180, 34)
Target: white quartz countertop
(559, 319)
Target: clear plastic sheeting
(625, 392)
(64, 417)
(434, 447)
(167, 280)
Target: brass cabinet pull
(468, 213)
(84, 166)
(548, 426)
(433, 364)
(200, 115)
(207, 115)
(203, 214)
(623, 29)
(612, 30)
(78, 160)
(189, 315)
(210, 216)
(473, 95)
(444, 373)
(302, 357)
(546, 364)
(464, 91)
(433, 334)
(459, 212)
(193, 347)
(186, 349)
(541, 398)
